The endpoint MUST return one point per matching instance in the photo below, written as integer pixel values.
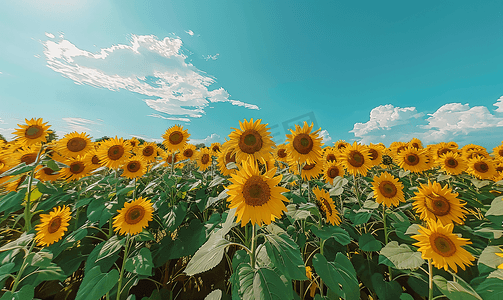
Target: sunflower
(388, 190)
(500, 254)
(443, 247)
(251, 140)
(215, 148)
(376, 153)
(46, 174)
(341, 145)
(452, 163)
(415, 143)
(481, 167)
(134, 143)
(498, 152)
(148, 151)
(134, 168)
(256, 196)
(92, 160)
(167, 157)
(12, 183)
(330, 154)
(175, 138)
(309, 170)
(440, 149)
(328, 206)
(77, 169)
(312, 286)
(224, 158)
(413, 160)
(280, 153)
(331, 170)
(499, 172)
(303, 145)
(356, 159)
(33, 132)
(113, 152)
(396, 148)
(203, 158)
(74, 144)
(267, 162)
(52, 226)
(5, 162)
(133, 217)
(189, 151)
(471, 150)
(433, 202)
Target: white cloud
(167, 118)
(190, 32)
(148, 66)
(79, 125)
(326, 137)
(451, 122)
(49, 35)
(499, 104)
(213, 138)
(146, 138)
(212, 57)
(2, 121)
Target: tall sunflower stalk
(27, 208)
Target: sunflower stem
(253, 245)
(430, 280)
(357, 194)
(308, 192)
(172, 163)
(300, 180)
(134, 193)
(27, 208)
(21, 270)
(322, 243)
(386, 238)
(122, 267)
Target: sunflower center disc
(215, 148)
(115, 152)
(169, 160)
(29, 158)
(133, 166)
(438, 205)
(205, 159)
(442, 245)
(331, 157)
(308, 167)
(175, 137)
(256, 192)
(76, 167)
(500, 152)
(356, 159)
(148, 151)
(412, 159)
(303, 143)
(451, 162)
(388, 189)
(229, 157)
(281, 153)
(326, 204)
(76, 144)
(373, 154)
(415, 145)
(333, 172)
(95, 160)
(188, 153)
(33, 132)
(481, 167)
(443, 151)
(54, 225)
(250, 141)
(48, 171)
(135, 214)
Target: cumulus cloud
(147, 66)
(499, 105)
(213, 138)
(79, 125)
(326, 137)
(451, 122)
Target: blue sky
(362, 71)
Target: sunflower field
(247, 219)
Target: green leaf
(51, 164)
(141, 263)
(50, 272)
(341, 272)
(12, 202)
(496, 208)
(175, 216)
(297, 213)
(339, 234)
(98, 212)
(490, 289)
(5, 270)
(386, 290)
(96, 284)
(19, 169)
(145, 236)
(262, 283)
(458, 290)
(20, 243)
(370, 204)
(405, 296)
(215, 295)
(112, 246)
(44, 189)
(402, 256)
(360, 216)
(489, 258)
(39, 259)
(107, 258)
(285, 255)
(26, 292)
(367, 242)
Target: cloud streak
(148, 66)
(451, 122)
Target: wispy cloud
(212, 57)
(213, 138)
(49, 35)
(148, 66)
(452, 121)
(80, 125)
(190, 32)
